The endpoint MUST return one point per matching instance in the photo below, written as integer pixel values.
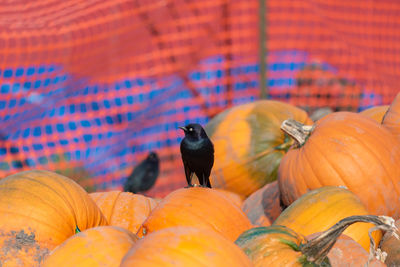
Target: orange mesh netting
(87, 88)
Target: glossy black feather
(197, 153)
(144, 175)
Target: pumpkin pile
(286, 192)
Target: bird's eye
(190, 129)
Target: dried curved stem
(298, 131)
(317, 249)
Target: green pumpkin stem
(317, 249)
(298, 131)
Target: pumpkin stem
(318, 248)
(298, 131)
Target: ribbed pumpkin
(199, 207)
(249, 145)
(263, 206)
(98, 246)
(185, 246)
(376, 113)
(278, 245)
(391, 245)
(124, 209)
(321, 208)
(38, 211)
(391, 120)
(347, 149)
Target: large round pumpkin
(98, 246)
(321, 208)
(124, 209)
(346, 149)
(249, 144)
(376, 113)
(38, 211)
(263, 206)
(199, 207)
(185, 246)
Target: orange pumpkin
(199, 207)
(376, 113)
(263, 206)
(249, 145)
(277, 245)
(38, 211)
(347, 149)
(391, 120)
(185, 246)
(124, 209)
(391, 245)
(321, 208)
(98, 246)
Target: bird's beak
(183, 128)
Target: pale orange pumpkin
(98, 246)
(376, 113)
(199, 207)
(185, 246)
(124, 209)
(348, 149)
(391, 119)
(391, 245)
(38, 211)
(263, 206)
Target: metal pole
(262, 48)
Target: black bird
(144, 175)
(197, 154)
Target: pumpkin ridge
(333, 166)
(304, 157)
(114, 203)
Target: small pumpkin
(391, 119)
(98, 246)
(376, 113)
(321, 208)
(185, 246)
(124, 209)
(249, 145)
(199, 207)
(277, 245)
(263, 206)
(38, 211)
(347, 149)
(391, 245)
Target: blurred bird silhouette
(144, 175)
(197, 154)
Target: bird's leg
(190, 181)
